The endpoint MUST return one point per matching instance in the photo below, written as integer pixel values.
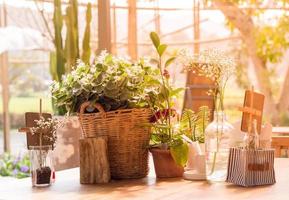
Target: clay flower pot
(165, 166)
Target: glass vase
(41, 165)
(217, 141)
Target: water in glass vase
(217, 140)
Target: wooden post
(132, 29)
(94, 165)
(5, 85)
(104, 29)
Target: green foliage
(86, 39)
(63, 59)
(170, 61)
(71, 43)
(179, 151)
(163, 127)
(155, 39)
(114, 83)
(193, 124)
(14, 166)
(57, 60)
(272, 40)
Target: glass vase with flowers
(218, 67)
(41, 156)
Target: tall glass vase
(217, 142)
(41, 165)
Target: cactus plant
(71, 40)
(86, 38)
(57, 60)
(64, 58)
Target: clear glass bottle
(41, 165)
(217, 141)
(251, 138)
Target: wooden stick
(251, 107)
(40, 107)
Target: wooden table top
(67, 187)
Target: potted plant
(110, 99)
(41, 160)
(168, 149)
(193, 125)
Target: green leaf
(161, 49)
(155, 39)
(180, 153)
(175, 92)
(170, 61)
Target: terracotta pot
(165, 166)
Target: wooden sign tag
(30, 122)
(252, 109)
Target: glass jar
(41, 165)
(217, 143)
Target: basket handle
(95, 105)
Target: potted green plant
(168, 149)
(110, 99)
(193, 125)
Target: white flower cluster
(211, 63)
(47, 127)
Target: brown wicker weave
(127, 139)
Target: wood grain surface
(94, 165)
(67, 186)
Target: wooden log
(94, 165)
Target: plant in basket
(41, 155)
(110, 97)
(168, 148)
(114, 83)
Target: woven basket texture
(128, 139)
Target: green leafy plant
(67, 50)
(16, 166)
(113, 82)
(193, 124)
(164, 122)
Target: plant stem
(40, 149)
(167, 98)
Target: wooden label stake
(252, 109)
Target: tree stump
(94, 165)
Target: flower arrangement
(16, 166)
(41, 159)
(47, 128)
(213, 64)
(218, 67)
(115, 83)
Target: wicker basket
(127, 139)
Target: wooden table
(67, 187)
